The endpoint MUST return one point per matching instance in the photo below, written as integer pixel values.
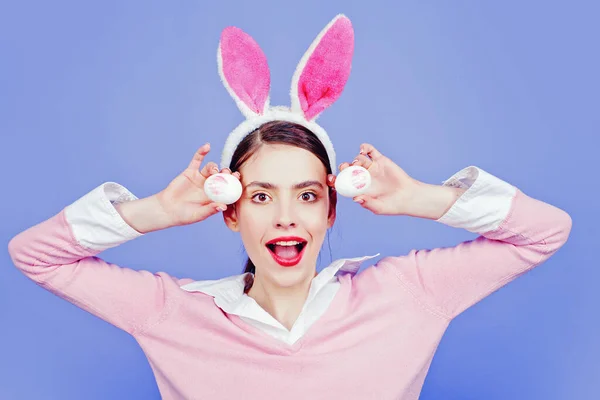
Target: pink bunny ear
(244, 71)
(324, 69)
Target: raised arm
(517, 233)
(60, 254)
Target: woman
(282, 330)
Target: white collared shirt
(229, 295)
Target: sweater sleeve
(60, 255)
(515, 234)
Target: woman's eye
(261, 197)
(306, 196)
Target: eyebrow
(301, 185)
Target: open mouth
(288, 254)
(298, 246)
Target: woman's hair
(279, 132)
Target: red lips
(287, 262)
(287, 239)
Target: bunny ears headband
(318, 82)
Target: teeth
(290, 243)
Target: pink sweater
(364, 346)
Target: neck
(282, 303)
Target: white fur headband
(318, 82)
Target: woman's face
(284, 200)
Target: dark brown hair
(279, 132)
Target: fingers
(360, 160)
(368, 153)
(199, 157)
(372, 204)
(212, 168)
(228, 171)
(371, 151)
(218, 207)
(331, 180)
(209, 169)
(207, 210)
(343, 166)
(363, 161)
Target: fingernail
(221, 208)
(355, 160)
(359, 201)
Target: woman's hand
(391, 187)
(183, 200)
(394, 192)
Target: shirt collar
(229, 293)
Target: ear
(244, 71)
(230, 218)
(332, 209)
(324, 69)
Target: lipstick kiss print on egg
(217, 185)
(359, 179)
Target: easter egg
(352, 181)
(223, 188)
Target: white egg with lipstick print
(223, 188)
(353, 181)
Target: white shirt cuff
(483, 206)
(95, 222)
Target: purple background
(127, 91)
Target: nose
(284, 216)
